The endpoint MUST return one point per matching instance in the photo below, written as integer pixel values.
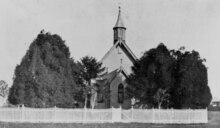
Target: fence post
(121, 113)
(172, 115)
(22, 113)
(206, 114)
(153, 121)
(189, 112)
(44, 110)
(132, 114)
(159, 111)
(84, 117)
(205, 119)
(55, 114)
(112, 113)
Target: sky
(86, 26)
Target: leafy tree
(90, 68)
(81, 84)
(45, 77)
(170, 78)
(161, 97)
(191, 87)
(153, 71)
(3, 88)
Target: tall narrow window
(99, 97)
(99, 94)
(120, 93)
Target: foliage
(181, 73)
(161, 97)
(3, 88)
(45, 77)
(90, 68)
(191, 87)
(151, 72)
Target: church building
(110, 86)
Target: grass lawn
(214, 122)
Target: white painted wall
(113, 60)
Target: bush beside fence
(60, 115)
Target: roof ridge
(129, 50)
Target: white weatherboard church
(110, 87)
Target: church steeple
(119, 29)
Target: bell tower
(119, 29)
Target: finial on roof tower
(119, 22)
(119, 28)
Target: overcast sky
(86, 26)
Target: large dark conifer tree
(153, 71)
(191, 87)
(170, 78)
(45, 76)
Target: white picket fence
(60, 115)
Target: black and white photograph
(109, 64)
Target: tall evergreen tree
(191, 87)
(151, 73)
(90, 68)
(45, 76)
(170, 78)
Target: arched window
(99, 96)
(120, 93)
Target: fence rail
(60, 115)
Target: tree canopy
(191, 88)
(46, 75)
(90, 68)
(169, 78)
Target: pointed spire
(119, 29)
(119, 23)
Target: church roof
(109, 77)
(119, 22)
(106, 78)
(125, 48)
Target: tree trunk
(93, 100)
(159, 105)
(90, 92)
